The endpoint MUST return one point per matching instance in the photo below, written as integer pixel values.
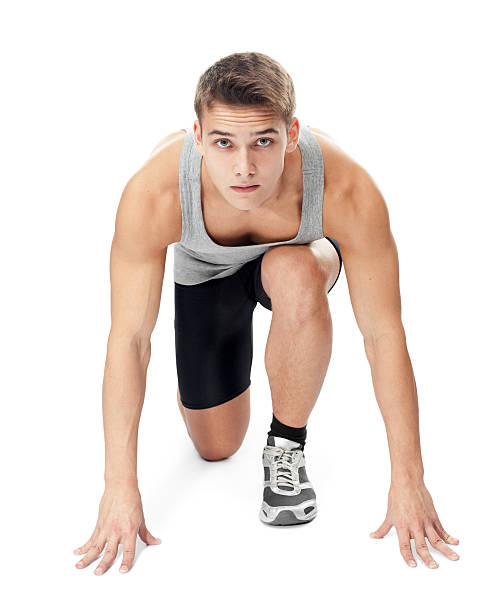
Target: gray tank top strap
(189, 182)
(313, 184)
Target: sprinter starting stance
(260, 209)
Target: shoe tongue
(283, 443)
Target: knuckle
(422, 547)
(129, 531)
(436, 540)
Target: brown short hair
(249, 78)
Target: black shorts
(214, 334)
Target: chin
(246, 205)
(241, 207)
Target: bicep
(371, 264)
(137, 265)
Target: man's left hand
(411, 511)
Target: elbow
(127, 341)
(373, 340)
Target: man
(260, 209)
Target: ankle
(281, 430)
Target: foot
(288, 495)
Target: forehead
(245, 120)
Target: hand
(120, 518)
(411, 510)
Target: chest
(277, 222)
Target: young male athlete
(259, 208)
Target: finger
(422, 549)
(146, 536)
(129, 552)
(108, 557)
(85, 547)
(384, 528)
(405, 546)
(443, 534)
(93, 552)
(437, 542)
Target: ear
(198, 141)
(293, 136)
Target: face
(247, 147)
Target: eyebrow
(262, 133)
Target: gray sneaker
(288, 495)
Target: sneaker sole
(288, 515)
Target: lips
(246, 189)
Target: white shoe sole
(288, 515)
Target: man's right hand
(120, 520)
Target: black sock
(296, 434)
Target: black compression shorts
(214, 334)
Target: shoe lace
(284, 468)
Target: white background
(89, 88)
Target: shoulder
(156, 186)
(160, 172)
(351, 197)
(340, 168)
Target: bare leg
(299, 345)
(297, 355)
(218, 432)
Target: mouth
(246, 189)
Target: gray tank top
(197, 258)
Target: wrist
(121, 482)
(407, 478)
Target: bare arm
(371, 263)
(143, 229)
(137, 263)
(370, 257)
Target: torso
(228, 226)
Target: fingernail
(372, 534)
(98, 570)
(433, 564)
(454, 556)
(76, 552)
(123, 569)
(78, 564)
(159, 541)
(412, 563)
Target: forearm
(396, 394)
(124, 385)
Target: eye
(268, 139)
(221, 140)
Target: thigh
(213, 341)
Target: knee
(293, 266)
(216, 454)
(294, 279)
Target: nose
(243, 165)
